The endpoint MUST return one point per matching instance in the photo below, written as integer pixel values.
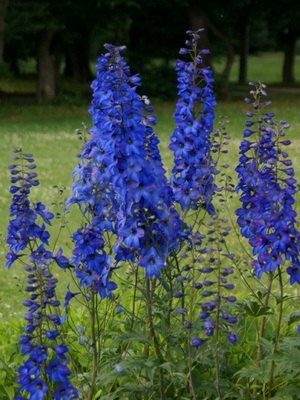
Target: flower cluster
(23, 228)
(120, 183)
(267, 185)
(45, 369)
(193, 173)
(207, 277)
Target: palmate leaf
(281, 396)
(117, 393)
(290, 392)
(252, 373)
(132, 337)
(288, 360)
(7, 392)
(293, 317)
(255, 309)
(260, 375)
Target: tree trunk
(288, 73)
(3, 9)
(46, 84)
(244, 50)
(77, 59)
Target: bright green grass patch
(264, 67)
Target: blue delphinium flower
(45, 366)
(152, 262)
(267, 186)
(120, 182)
(192, 176)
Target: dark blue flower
(65, 392)
(196, 342)
(36, 388)
(294, 272)
(57, 371)
(62, 261)
(152, 263)
(204, 314)
(209, 327)
(69, 295)
(232, 338)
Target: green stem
(171, 293)
(93, 312)
(277, 334)
(154, 339)
(262, 327)
(190, 366)
(216, 353)
(263, 322)
(218, 311)
(133, 319)
(188, 344)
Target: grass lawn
(264, 67)
(49, 133)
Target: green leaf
(289, 392)
(9, 390)
(293, 317)
(261, 293)
(132, 337)
(255, 309)
(169, 366)
(252, 373)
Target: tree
(52, 32)
(3, 10)
(211, 18)
(284, 24)
(46, 82)
(33, 25)
(288, 70)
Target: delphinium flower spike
(267, 186)
(45, 372)
(120, 183)
(193, 173)
(193, 181)
(207, 287)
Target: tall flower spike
(267, 185)
(210, 284)
(22, 227)
(45, 371)
(120, 181)
(192, 177)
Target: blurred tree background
(62, 39)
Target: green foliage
(10, 358)
(159, 79)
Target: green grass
(49, 133)
(264, 67)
